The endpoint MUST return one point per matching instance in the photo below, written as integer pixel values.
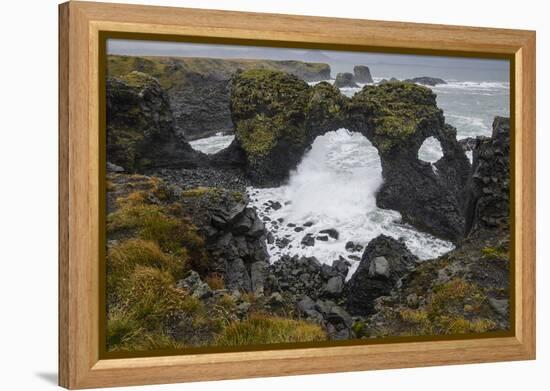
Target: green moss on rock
(396, 111)
(267, 106)
(327, 108)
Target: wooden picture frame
(80, 27)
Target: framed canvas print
(247, 195)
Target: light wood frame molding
(80, 24)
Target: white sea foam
(213, 144)
(475, 85)
(430, 151)
(334, 187)
(348, 91)
(335, 184)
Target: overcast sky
(381, 65)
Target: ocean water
(213, 144)
(335, 184)
(334, 187)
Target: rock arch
(277, 116)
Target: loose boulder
(384, 262)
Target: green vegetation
(260, 329)
(396, 111)
(152, 245)
(137, 79)
(124, 257)
(455, 307)
(215, 281)
(154, 248)
(201, 191)
(326, 103)
(174, 72)
(125, 334)
(152, 222)
(495, 253)
(268, 106)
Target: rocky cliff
(464, 291)
(277, 117)
(140, 126)
(198, 88)
(186, 255)
(488, 205)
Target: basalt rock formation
(345, 80)
(385, 261)
(199, 88)
(277, 117)
(361, 74)
(464, 291)
(489, 185)
(140, 126)
(426, 80)
(234, 236)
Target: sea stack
(362, 74)
(344, 80)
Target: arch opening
(328, 210)
(212, 144)
(430, 151)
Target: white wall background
(28, 193)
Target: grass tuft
(261, 329)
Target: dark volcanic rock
(140, 126)
(195, 286)
(271, 127)
(353, 247)
(334, 286)
(211, 177)
(199, 88)
(397, 118)
(426, 80)
(235, 236)
(114, 168)
(299, 276)
(467, 290)
(344, 80)
(468, 143)
(285, 115)
(489, 186)
(361, 74)
(308, 240)
(201, 106)
(330, 232)
(384, 262)
(392, 80)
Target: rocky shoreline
(181, 233)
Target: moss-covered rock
(198, 88)
(140, 127)
(327, 110)
(396, 114)
(268, 109)
(463, 292)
